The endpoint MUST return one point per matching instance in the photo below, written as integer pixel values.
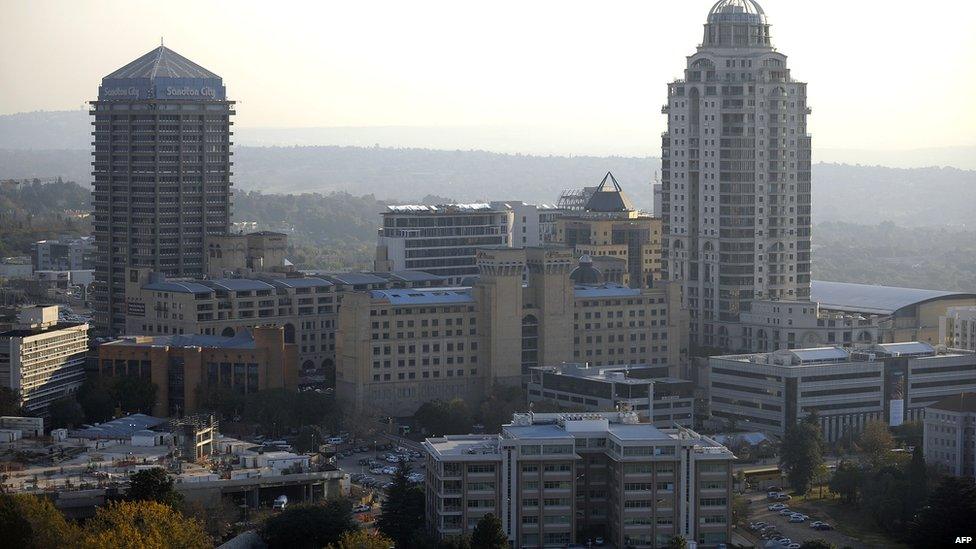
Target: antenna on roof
(160, 40)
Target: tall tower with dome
(735, 176)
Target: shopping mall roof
(872, 299)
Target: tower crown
(162, 74)
(736, 24)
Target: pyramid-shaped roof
(162, 62)
(609, 199)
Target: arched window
(228, 332)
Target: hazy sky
(883, 74)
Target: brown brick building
(179, 365)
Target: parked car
(797, 518)
(775, 506)
(280, 503)
(362, 508)
(824, 526)
(785, 512)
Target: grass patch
(847, 519)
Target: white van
(280, 502)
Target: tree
(677, 542)
(439, 417)
(740, 510)
(134, 395)
(96, 400)
(817, 544)
(875, 442)
(802, 453)
(9, 402)
(847, 481)
(918, 477)
(362, 539)
(66, 412)
(34, 523)
(951, 506)
(402, 514)
(309, 526)
(497, 409)
(153, 485)
(488, 534)
(142, 524)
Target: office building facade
(43, 359)
(736, 175)
(889, 382)
(161, 174)
(957, 328)
(399, 348)
(645, 390)
(558, 479)
(66, 254)
(185, 368)
(949, 435)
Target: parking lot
(797, 532)
(378, 465)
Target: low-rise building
(65, 254)
(846, 388)
(957, 328)
(42, 358)
(772, 325)
(184, 367)
(558, 479)
(950, 434)
(648, 391)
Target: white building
(442, 239)
(772, 325)
(891, 382)
(950, 442)
(736, 174)
(957, 328)
(43, 359)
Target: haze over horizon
(543, 78)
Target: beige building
(43, 359)
(559, 479)
(957, 328)
(950, 435)
(401, 347)
(305, 306)
(609, 226)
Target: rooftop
(424, 296)
(737, 11)
(303, 282)
(965, 402)
(872, 299)
(355, 279)
(242, 340)
(463, 445)
(609, 198)
(237, 284)
(598, 373)
(123, 427)
(438, 209)
(161, 62)
(608, 289)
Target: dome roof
(737, 11)
(609, 199)
(586, 273)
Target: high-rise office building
(161, 173)
(736, 175)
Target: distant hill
(841, 192)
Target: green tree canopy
(875, 442)
(488, 534)
(142, 524)
(30, 522)
(309, 526)
(402, 515)
(948, 512)
(66, 412)
(801, 453)
(439, 417)
(817, 544)
(153, 485)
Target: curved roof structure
(609, 199)
(871, 299)
(737, 11)
(586, 273)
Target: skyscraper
(161, 173)
(736, 175)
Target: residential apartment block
(646, 390)
(43, 359)
(185, 367)
(161, 174)
(65, 254)
(950, 434)
(957, 328)
(890, 382)
(735, 174)
(559, 479)
(399, 348)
